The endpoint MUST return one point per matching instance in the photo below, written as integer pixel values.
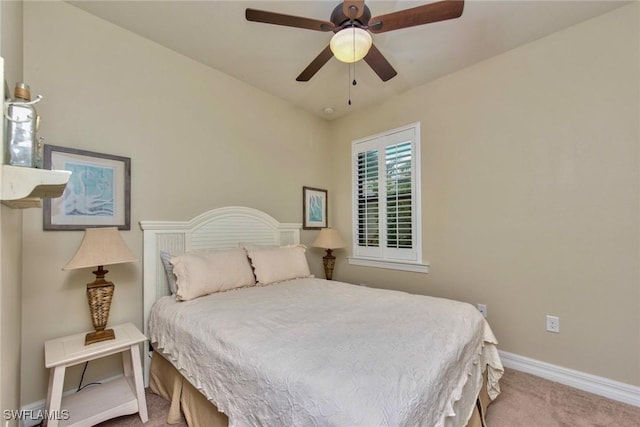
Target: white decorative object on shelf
(22, 122)
(23, 187)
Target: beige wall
(197, 139)
(530, 178)
(10, 227)
(530, 175)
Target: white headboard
(216, 229)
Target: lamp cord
(80, 386)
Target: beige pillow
(278, 264)
(201, 273)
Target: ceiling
(270, 57)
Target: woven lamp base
(328, 261)
(99, 296)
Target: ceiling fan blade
(315, 65)
(379, 64)
(288, 20)
(425, 14)
(353, 7)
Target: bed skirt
(186, 401)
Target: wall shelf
(23, 187)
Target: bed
(295, 350)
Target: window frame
(381, 256)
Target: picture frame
(98, 193)
(314, 208)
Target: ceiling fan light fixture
(351, 44)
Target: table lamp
(100, 247)
(329, 239)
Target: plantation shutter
(385, 197)
(399, 191)
(368, 199)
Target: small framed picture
(98, 193)
(314, 208)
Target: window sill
(391, 265)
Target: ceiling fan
(353, 16)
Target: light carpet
(525, 401)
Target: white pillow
(278, 264)
(201, 273)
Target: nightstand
(92, 405)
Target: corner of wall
(11, 67)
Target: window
(386, 200)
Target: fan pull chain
(354, 55)
(348, 81)
(353, 39)
(354, 62)
(354, 75)
(352, 83)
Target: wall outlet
(482, 308)
(553, 324)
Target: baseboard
(601, 386)
(31, 415)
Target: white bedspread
(312, 352)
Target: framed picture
(314, 208)
(98, 193)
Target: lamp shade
(328, 238)
(351, 44)
(100, 246)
